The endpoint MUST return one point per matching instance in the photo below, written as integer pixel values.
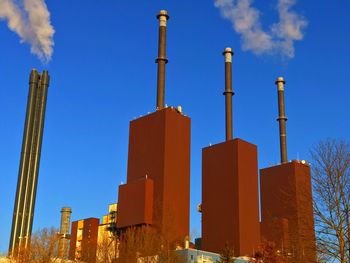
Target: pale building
(107, 246)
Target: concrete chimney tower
(63, 244)
(23, 213)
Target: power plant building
(157, 191)
(83, 242)
(230, 200)
(287, 213)
(107, 246)
(286, 200)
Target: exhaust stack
(228, 93)
(161, 60)
(23, 213)
(64, 233)
(282, 119)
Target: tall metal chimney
(29, 164)
(282, 119)
(161, 60)
(64, 233)
(228, 92)
(40, 117)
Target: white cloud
(31, 21)
(280, 38)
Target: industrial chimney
(158, 164)
(161, 60)
(228, 93)
(64, 233)
(230, 187)
(30, 159)
(282, 119)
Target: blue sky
(103, 75)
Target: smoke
(279, 39)
(30, 19)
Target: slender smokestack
(228, 92)
(18, 214)
(44, 84)
(29, 165)
(282, 119)
(64, 232)
(161, 60)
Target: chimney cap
(163, 13)
(66, 209)
(34, 76)
(280, 79)
(228, 50)
(45, 77)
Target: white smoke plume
(30, 19)
(279, 39)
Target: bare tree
(226, 255)
(331, 190)
(144, 244)
(267, 253)
(107, 248)
(43, 248)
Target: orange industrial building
(83, 242)
(287, 213)
(157, 191)
(158, 183)
(87, 234)
(230, 199)
(230, 189)
(286, 200)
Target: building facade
(157, 191)
(287, 213)
(230, 201)
(107, 241)
(83, 243)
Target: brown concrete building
(287, 213)
(83, 243)
(230, 208)
(158, 177)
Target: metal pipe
(16, 228)
(161, 60)
(228, 93)
(44, 84)
(282, 119)
(24, 241)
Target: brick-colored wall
(159, 147)
(230, 203)
(286, 195)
